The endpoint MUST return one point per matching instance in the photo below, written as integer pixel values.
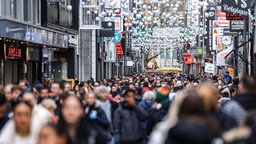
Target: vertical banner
(221, 60)
(111, 55)
(210, 18)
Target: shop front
(31, 52)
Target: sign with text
(221, 61)
(236, 7)
(209, 68)
(14, 52)
(210, 18)
(237, 25)
(233, 17)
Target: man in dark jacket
(127, 119)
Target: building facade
(29, 47)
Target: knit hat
(162, 93)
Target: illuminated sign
(14, 52)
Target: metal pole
(235, 55)
(245, 52)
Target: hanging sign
(236, 7)
(14, 52)
(209, 68)
(233, 17)
(117, 37)
(237, 25)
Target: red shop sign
(14, 52)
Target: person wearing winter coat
(98, 118)
(194, 126)
(160, 108)
(127, 119)
(146, 104)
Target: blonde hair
(209, 93)
(49, 104)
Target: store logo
(14, 52)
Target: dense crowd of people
(142, 108)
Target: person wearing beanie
(160, 108)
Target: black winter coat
(190, 132)
(127, 123)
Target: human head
(56, 89)
(131, 85)
(24, 84)
(49, 135)
(149, 95)
(49, 104)
(16, 92)
(67, 87)
(113, 88)
(103, 92)
(76, 88)
(192, 105)
(29, 97)
(210, 96)
(162, 94)
(22, 115)
(247, 85)
(8, 91)
(44, 93)
(129, 94)
(72, 110)
(90, 98)
(3, 106)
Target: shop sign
(111, 52)
(117, 37)
(233, 17)
(37, 35)
(237, 25)
(209, 68)
(220, 13)
(221, 60)
(236, 7)
(32, 54)
(187, 58)
(221, 23)
(210, 18)
(14, 52)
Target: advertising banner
(221, 60)
(236, 7)
(237, 25)
(210, 18)
(209, 68)
(111, 54)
